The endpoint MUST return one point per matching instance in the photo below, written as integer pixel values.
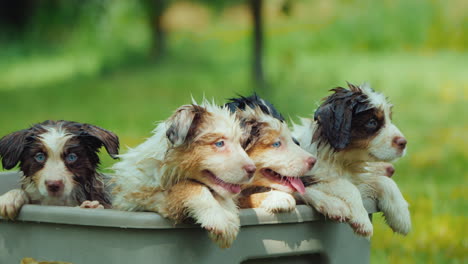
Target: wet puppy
(58, 160)
(351, 130)
(191, 168)
(279, 160)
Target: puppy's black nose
(311, 162)
(399, 142)
(54, 186)
(250, 169)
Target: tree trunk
(257, 63)
(156, 9)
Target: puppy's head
(55, 156)
(205, 146)
(268, 141)
(358, 122)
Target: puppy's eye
(40, 157)
(277, 144)
(72, 157)
(371, 124)
(219, 144)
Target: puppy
(279, 160)
(190, 169)
(351, 130)
(58, 160)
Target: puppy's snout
(250, 169)
(399, 142)
(311, 162)
(390, 170)
(54, 187)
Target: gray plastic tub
(85, 236)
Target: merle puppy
(280, 162)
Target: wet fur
(81, 177)
(349, 146)
(168, 172)
(263, 125)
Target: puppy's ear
(12, 147)
(102, 137)
(334, 120)
(183, 123)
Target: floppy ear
(12, 146)
(104, 137)
(183, 123)
(334, 120)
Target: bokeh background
(124, 65)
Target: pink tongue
(235, 188)
(297, 184)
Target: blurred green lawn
(428, 88)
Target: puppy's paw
(11, 203)
(362, 226)
(91, 205)
(222, 228)
(400, 221)
(335, 209)
(223, 237)
(278, 202)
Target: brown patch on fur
(252, 201)
(246, 201)
(361, 134)
(268, 137)
(208, 138)
(146, 196)
(264, 142)
(178, 195)
(184, 161)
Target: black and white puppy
(58, 160)
(352, 134)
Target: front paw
(91, 205)
(11, 203)
(278, 202)
(334, 209)
(222, 228)
(222, 236)
(400, 221)
(362, 226)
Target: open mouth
(294, 183)
(230, 187)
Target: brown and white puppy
(58, 160)
(352, 132)
(191, 168)
(279, 160)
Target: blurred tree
(155, 10)
(15, 16)
(255, 8)
(257, 47)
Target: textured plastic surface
(109, 236)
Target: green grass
(425, 78)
